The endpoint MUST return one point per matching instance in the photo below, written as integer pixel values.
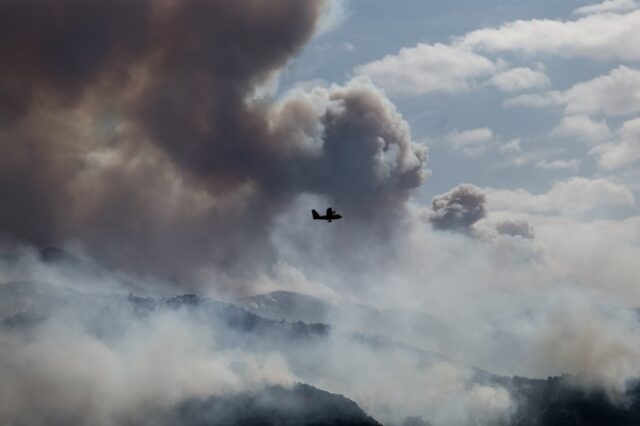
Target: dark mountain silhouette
(302, 405)
(556, 401)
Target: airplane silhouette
(331, 215)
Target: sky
(463, 99)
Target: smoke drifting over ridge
(135, 130)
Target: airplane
(331, 215)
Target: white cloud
(520, 78)
(571, 165)
(625, 151)
(476, 142)
(574, 195)
(511, 146)
(615, 93)
(583, 127)
(470, 137)
(520, 158)
(460, 65)
(333, 16)
(534, 100)
(347, 47)
(471, 142)
(607, 6)
(601, 36)
(428, 69)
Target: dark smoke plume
(459, 208)
(516, 228)
(135, 130)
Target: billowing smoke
(516, 228)
(459, 208)
(136, 132)
(604, 346)
(66, 373)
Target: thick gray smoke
(459, 208)
(136, 132)
(516, 228)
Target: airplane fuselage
(329, 216)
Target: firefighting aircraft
(331, 215)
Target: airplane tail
(315, 214)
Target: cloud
(335, 14)
(520, 158)
(426, 69)
(511, 146)
(571, 196)
(347, 47)
(469, 137)
(520, 78)
(476, 142)
(615, 93)
(583, 127)
(623, 151)
(471, 142)
(459, 208)
(601, 37)
(571, 165)
(607, 6)
(461, 65)
(534, 100)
